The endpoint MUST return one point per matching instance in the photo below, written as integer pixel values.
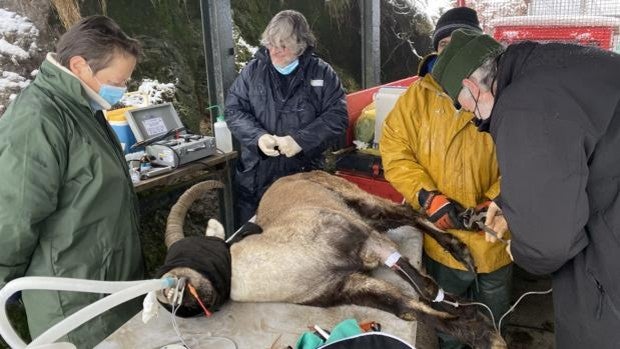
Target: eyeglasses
(121, 84)
(271, 46)
(113, 83)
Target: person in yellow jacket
(435, 157)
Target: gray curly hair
(288, 28)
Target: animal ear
(215, 228)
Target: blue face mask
(288, 69)
(112, 94)
(109, 93)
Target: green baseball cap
(464, 54)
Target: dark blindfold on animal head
(210, 256)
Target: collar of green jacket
(62, 82)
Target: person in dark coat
(285, 108)
(554, 113)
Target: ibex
(321, 237)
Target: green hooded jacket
(67, 205)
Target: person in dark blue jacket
(286, 108)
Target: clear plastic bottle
(223, 138)
(135, 175)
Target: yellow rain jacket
(426, 143)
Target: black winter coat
(312, 111)
(556, 123)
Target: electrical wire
(417, 288)
(477, 303)
(178, 332)
(175, 326)
(498, 327)
(517, 302)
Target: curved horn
(176, 217)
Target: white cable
(498, 327)
(517, 302)
(415, 286)
(485, 306)
(175, 326)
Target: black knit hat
(453, 19)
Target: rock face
(22, 46)
(170, 32)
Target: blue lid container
(124, 134)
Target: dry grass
(68, 11)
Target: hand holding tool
(442, 211)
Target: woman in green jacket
(67, 206)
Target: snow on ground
(18, 44)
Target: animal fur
(321, 238)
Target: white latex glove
(496, 221)
(288, 146)
(267, 144)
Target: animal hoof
(215, 228)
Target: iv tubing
(121, 291)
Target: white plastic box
(385, 99)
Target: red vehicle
(599, 31)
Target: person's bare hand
(496, 221)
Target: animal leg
(451, 243)
(382, 214)
(215, 228)
(475, 330)
(364, 290)
(379, 248)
